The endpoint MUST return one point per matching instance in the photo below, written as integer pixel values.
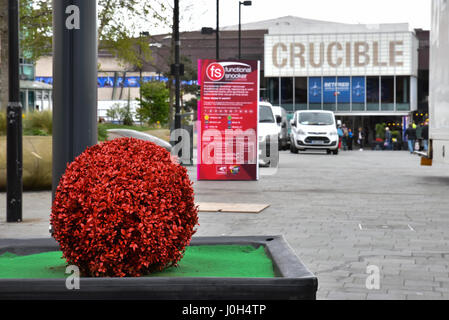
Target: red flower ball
(123, 208)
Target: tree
(119, 23)
(154, 105)
(125, 112)
(113, 112)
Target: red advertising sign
(228, 119)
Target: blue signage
(358, 89)
(105, 82)
(47, 80)
(132, 82)
(128, 82)
(315, 85)
(330, 90)
(344, 89)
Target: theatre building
(365, 74)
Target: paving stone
(317, 203)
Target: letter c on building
(276, 62)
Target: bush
(38, 123)
(154, 105)
(102, 132)
(2, 123)
(123, 208)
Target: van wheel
(328, 151)
(335, 152)
(293, 148)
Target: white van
(314, 130)
(268, 131)
(281, 115)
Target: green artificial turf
(223, 261)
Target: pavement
(341, 214)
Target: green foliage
(102, 132)
(38, 123)
(122, 114)
(118, 24)
(114, 112)
(396, 134)
(36, 28)
(380, 130)
(2, 123)
(126, 114)
(154, 105)
(191, 105)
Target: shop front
(365, 78)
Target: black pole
(14, 118)
(177, 66)
(75, 81)
(140, 68)
(240, 30)
(218, 30)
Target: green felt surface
(224, 261)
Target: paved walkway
(339, 213)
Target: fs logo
(215, 72)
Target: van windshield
(265, 115)
(316, 119)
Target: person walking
(388, 139)
(340, 136)
(345, 137)
(350, 139)
(410, 133)
(425, 135)
(360, 138)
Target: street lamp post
(217, 32)
(142, 33)
(177, 66)
(14, 126)
(245, 3)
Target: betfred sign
(333, 54)
(228, 120)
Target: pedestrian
(360, 138)
(410, 133)
(388, 139)
(340, 136)
(425, 135)
(345, 137)
(350, 138)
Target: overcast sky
(201, 13)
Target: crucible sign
(346, 54)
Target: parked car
(268, 132)
(314, 130)
(281, 119)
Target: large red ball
(124, 208)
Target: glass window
(402, 90)
(27, 72)
(287, 93)
(358, 93)
(31, 100)
(402, 93)
(387, 93)
(315, 93)
(316, 119)
(372, 93)
(273, 91)
(300, 93)
(266, 115)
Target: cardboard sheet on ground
(232, 207)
